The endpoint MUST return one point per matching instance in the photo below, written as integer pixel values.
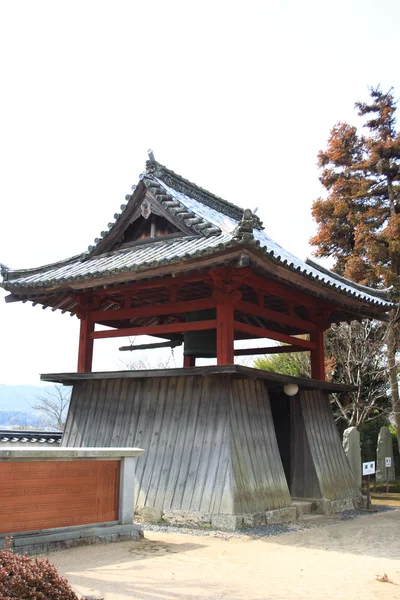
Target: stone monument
(351, 446)
(384, 449)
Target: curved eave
(353, 301)
(380, 293)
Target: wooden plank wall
(258, 476)
(304, 481)
(334, 475)
(209, 441)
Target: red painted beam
(282, 291)
(155, 329)
(153, 310)
(273, 335)
(166, 282)
(274, 315)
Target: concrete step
(317, 520)
(303, 508)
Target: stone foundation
(51, 540)
(223, 522)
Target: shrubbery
(31, 579)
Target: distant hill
(11, 419)
(20, 397)
(16, 405)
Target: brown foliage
(31, 578)
(359, 220)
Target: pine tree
(359, 220)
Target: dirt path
(330, 562)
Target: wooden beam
(273, 335)
(167, 281)
(153, 310)
(274, 315)
(156, 330)
(171, 344)
(281, 290)
(85, 352)
(268, 350)
(12, 298)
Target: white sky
(235, 96)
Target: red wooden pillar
(318, 355)
(85, 352)
(225, 329)
(189, 361)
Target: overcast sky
(235, 96)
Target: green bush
(22, 577)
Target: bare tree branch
(53, 405)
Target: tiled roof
(13, 436)
(217, 225)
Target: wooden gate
(41, 495)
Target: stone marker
(351, 446)
(384, 449)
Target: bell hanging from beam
(201, 344)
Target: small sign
(369, 468)
(388, 461)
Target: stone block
(302, 508)
(352, 449)
(148, 513)
(384, 449)
(288, 514)
(323, 506)
(191, 519)
(254, 519)
(342, 505)
(227, 522)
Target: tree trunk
(391, 358)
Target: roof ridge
(178, 210)
(193, 190)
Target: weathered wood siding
(304, 481)
(335, 479)
(209, 441)
(258, 477)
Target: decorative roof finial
(244, 230)
(151, 164)
(4, 271)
